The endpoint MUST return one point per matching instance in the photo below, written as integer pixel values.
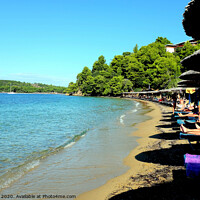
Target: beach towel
(180, 121)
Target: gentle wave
(69, 145)
(15, 173)
(75, 139)
(121, 119)
(135, 110)
(37, 125)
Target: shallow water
(74, 144)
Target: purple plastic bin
(193, 170)
(189, 158)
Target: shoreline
(119, 184)
(85, 165)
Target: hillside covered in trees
(22, 87)
(148, 67)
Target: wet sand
(156, 166)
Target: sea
(64, 145)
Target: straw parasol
(191, 17)
(192, 61)
(189, 85)
(191, 78)
(189, 82)
(190, 75)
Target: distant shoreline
(32, 93)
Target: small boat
(10, 90)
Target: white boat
(10, 90)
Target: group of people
(185, 110)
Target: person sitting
(190, 131)
(181, 106)
(195, 113)
(188, 115)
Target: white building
(172, 47)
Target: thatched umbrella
(193, 61)
(190, 83)
(190, 23)
(191, 17)
(190, 75)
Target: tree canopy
(149, 66)
(22, 87)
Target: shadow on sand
(181, 188)
(173, 156)
(166, 136)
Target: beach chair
(180, 121)
(191, 138)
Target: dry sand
(156, 166)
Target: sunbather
(181, 105)
(188, 115)
(190, 131)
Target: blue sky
(50, 41)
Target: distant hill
(22, 87)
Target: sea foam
(134, 110)
(16, 173)
(121, 119)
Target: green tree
(22, 87)
(82, 77)
(117, 63)
(148, 54)
(116, 85)
(99, 65)
(135, 72)
(186, 50)
(87, 87)
(72, 88)
(163, 72)
(127, 85)
(150, 65)
(135, 49)
(100, 85)
(126, 53)
(163, 40)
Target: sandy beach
(156, 166)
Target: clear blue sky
(50, 41)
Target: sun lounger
(191, 121)
(183, 112)
(190, 138)
(180, 121)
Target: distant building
(172, 47)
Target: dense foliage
(148, 67)
(22, 87)
(185, 51)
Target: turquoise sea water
(35, 126)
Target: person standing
(174, 98)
